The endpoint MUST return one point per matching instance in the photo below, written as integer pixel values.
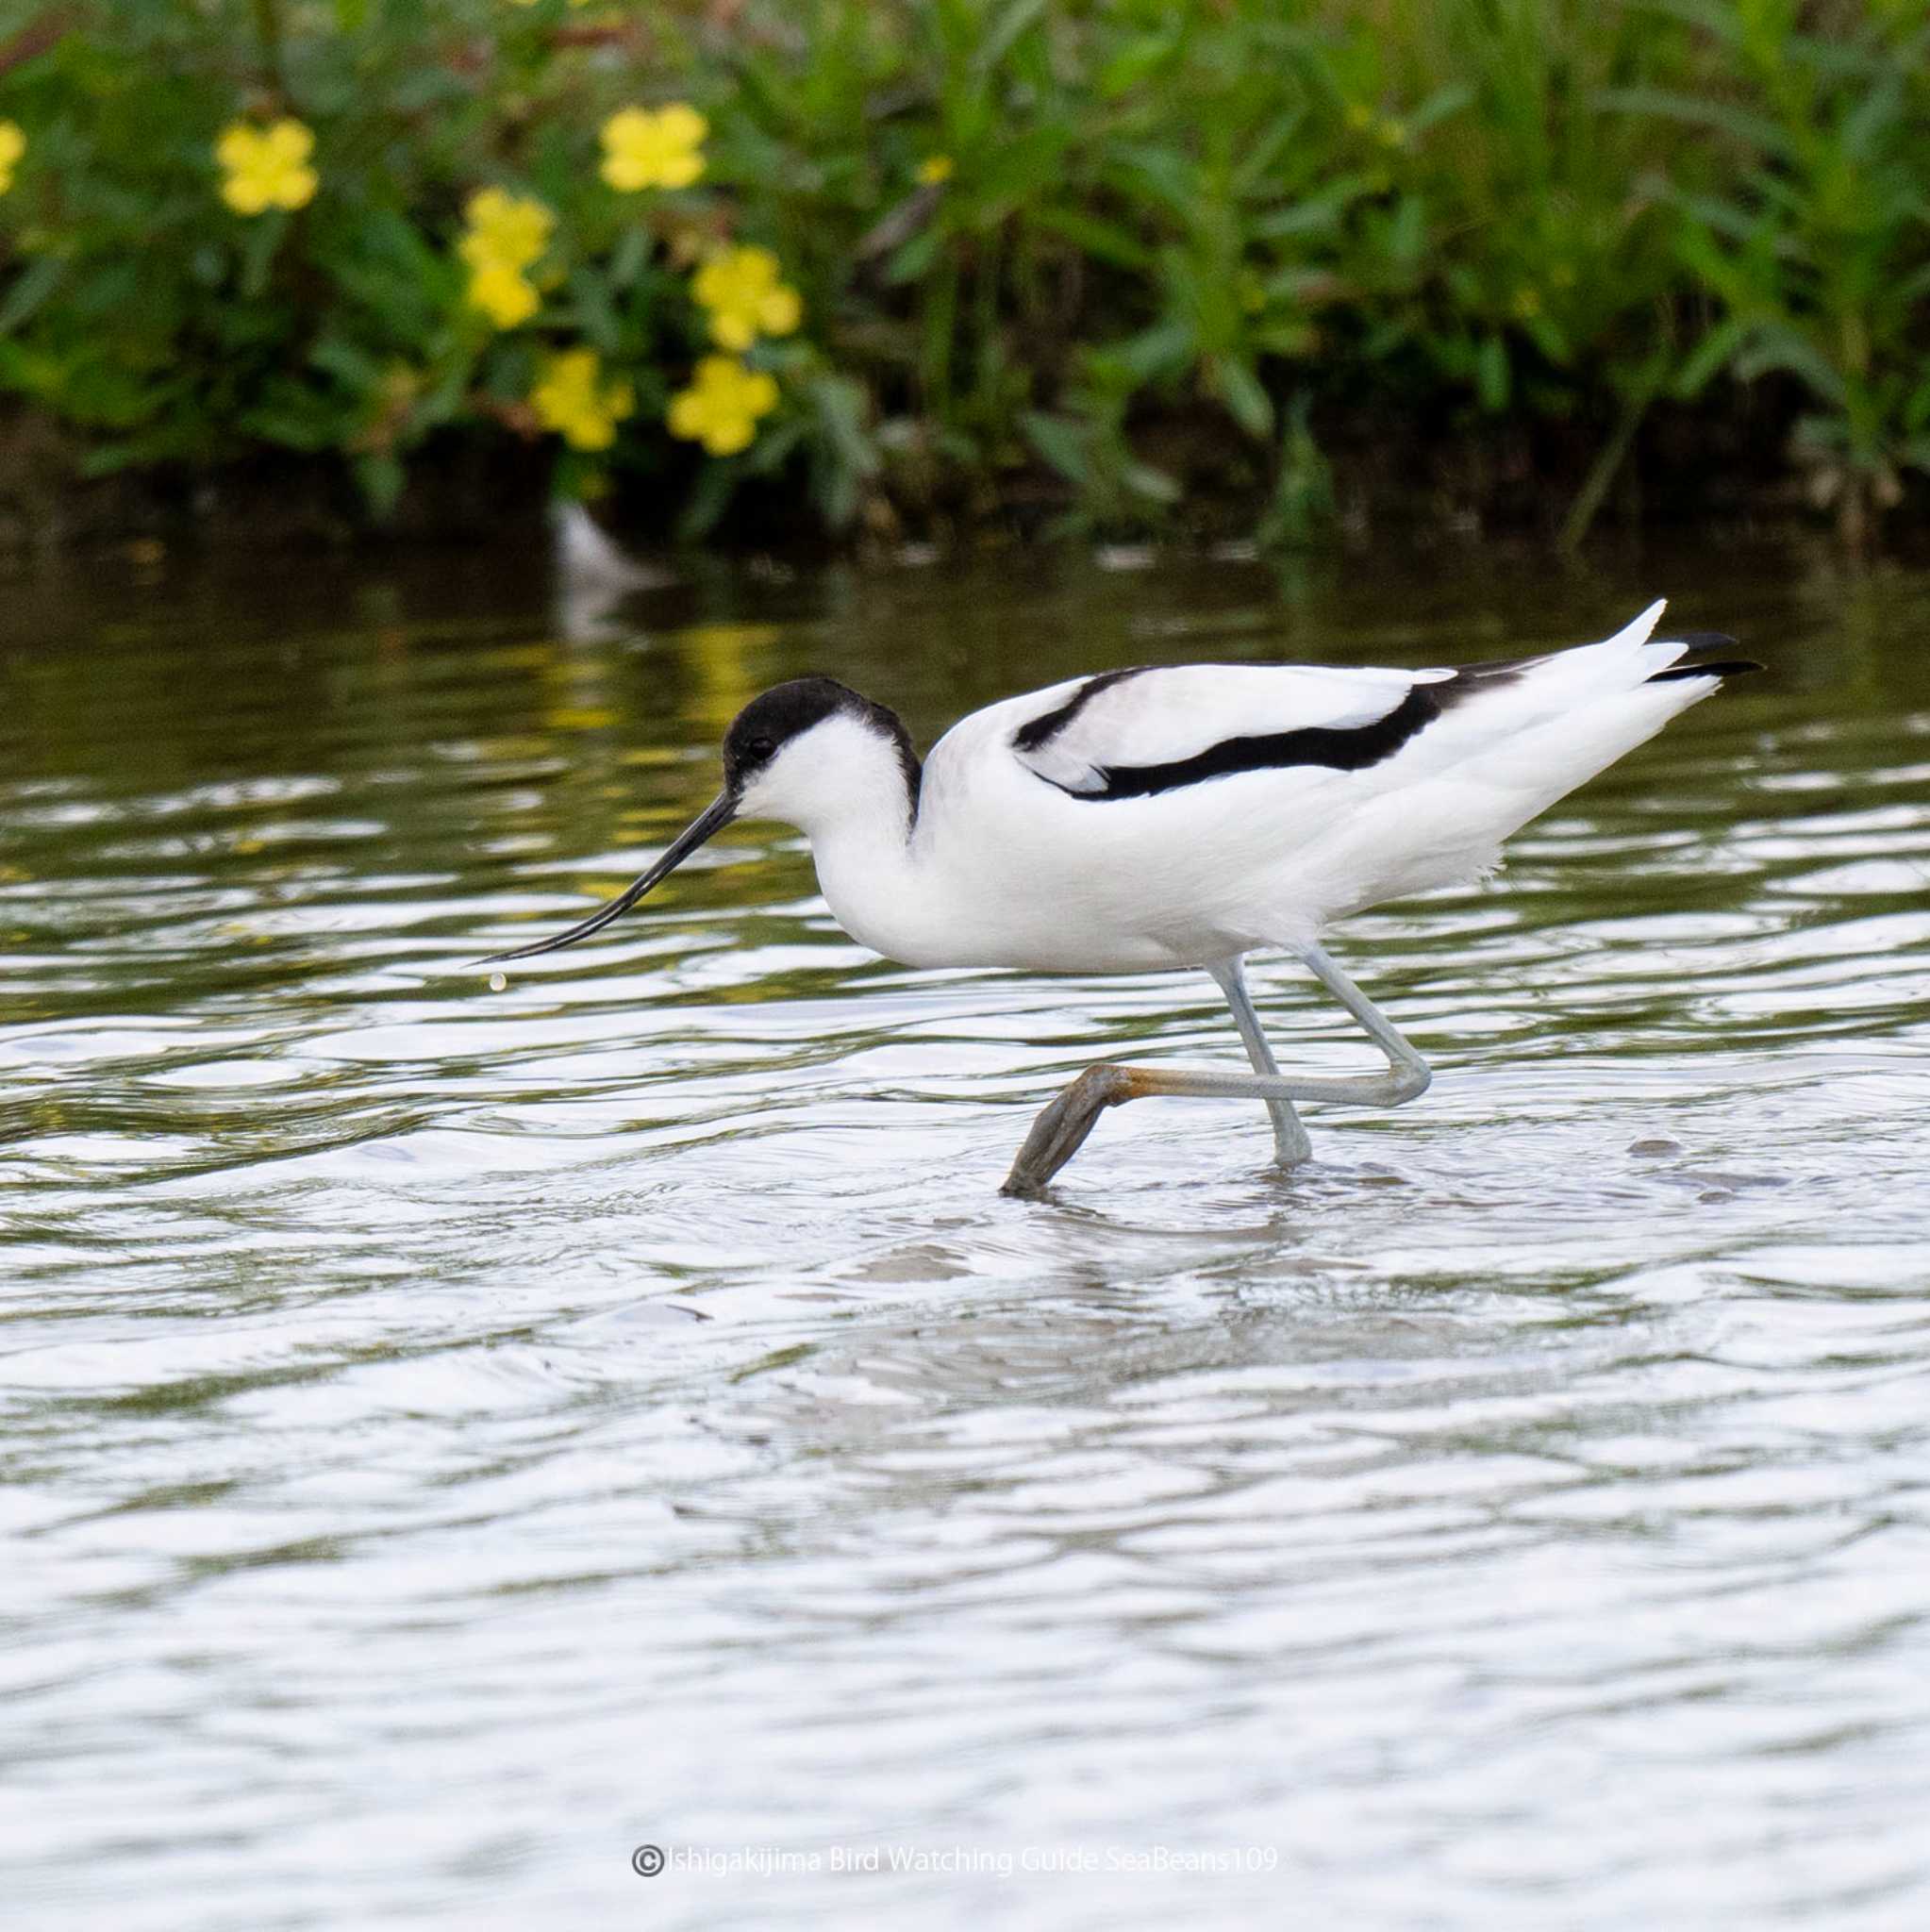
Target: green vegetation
(1093, 262)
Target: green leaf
(380, 479)
(1783, 348)
(1710, 356)
(1245, 399)
(1266, 150)
(1137, 61)
(710, 496)
(1438, 106)
(596, 314)
(302, 424)
(1717, 18)
(1491, 383)
(914, 259)
(847, 457)
(1104, 240)
(354, 367)
(1756, 130)
(32, 288)
(998, 41)
(1142, 479)
(631, 254)
(1062, 444)
(1166, 350)
(1168, 175)
(1310, 217)
(259, 240)
(1407, 234)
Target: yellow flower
(506, 234)
(720, 408)
(935, 168)
(506, 297)
(12, 145)
(504, 230)
(571, 400)
(740, 289)
(642, 149)
(266, 167)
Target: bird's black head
(768, 724)
(757, 737)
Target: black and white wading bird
(1183, 817)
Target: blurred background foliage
(1104, 264)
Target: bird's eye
(761, 747)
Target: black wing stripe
(1340, 748)
(1043, 730)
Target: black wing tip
(1699, 657)
(1718, 667)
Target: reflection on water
(452, 1438)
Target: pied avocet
(1183, 817)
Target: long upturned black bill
(711, 821)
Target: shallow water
(452, 1438)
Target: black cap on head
(757, 735)
(768, 724)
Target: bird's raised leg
(1060, 1130)
(1290, 1145)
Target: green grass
(1183, 250)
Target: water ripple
(454, 1437)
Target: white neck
(844, 786)
(867, 871)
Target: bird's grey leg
(1406, 1070)
(1060, 1130)
(1290, 1145)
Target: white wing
(1087, 826)
(1079, 733)
(1133, 733)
